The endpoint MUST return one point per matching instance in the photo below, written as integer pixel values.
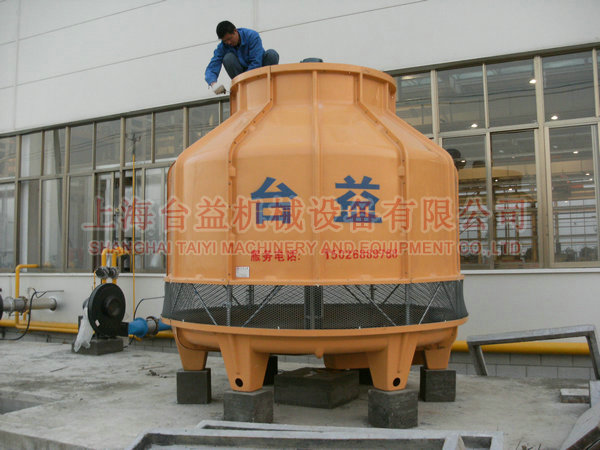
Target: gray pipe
(21, 304)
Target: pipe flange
(154, 332)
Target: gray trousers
(234, 68)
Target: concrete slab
(574, 396)
(106, 402)
(210, 433)
(586, 431)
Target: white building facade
(510, 89)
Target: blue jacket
(250, 53)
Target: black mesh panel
(315, 307)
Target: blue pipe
(139, 327)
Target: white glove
(218, 89)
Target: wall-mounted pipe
(22, 304)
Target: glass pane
(106, 195)
(31, 154)
(413, 100)
(81, 224)
(8, 156)
(155, 233)
(202, 119)
(108, 144)
(80, 152)
(7, 225)
(130, 215)
(568, 86)
(29, 242)
(511, 93)
(469, 158)
(54, 151)
(168, 134)
(574, 214)
(460, 94)
(138, 138)
(226, 111)
(515, 200)
(52, 224)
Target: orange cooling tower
(314, 221)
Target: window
(413, 101)
(138, 139)
(7, 225)
(515, 199)
(461, 104)
(168, 134)
(202, 119)
(108, 144)
(79, 258)
(511, 93)
(29, 243)
(31, 155)
(8, 157)
(52, 227)
(573, 204)
(155, 197)
(568, 86)
(468, 154)
(54, 151)
(80, 150)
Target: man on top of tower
(240, 50)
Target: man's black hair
(225, 27)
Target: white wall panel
(41, 16)
(8, 54)
(157, 28)
(7, 102)
(130, 86)
(439, 31)
(8, 20)
(512, 302)
(276, 13)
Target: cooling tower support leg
(390, 366)
(248, 406)
(245, 367)
(397, 409)
(192, 357)
(437, 385)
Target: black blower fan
(106, 309)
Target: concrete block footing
(393, 409)
(316, 388)
(254, 406)
(193, 387)
(437, 385)
(100, 346)
(271, 371)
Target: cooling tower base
(388, 352)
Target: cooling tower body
(314, 221)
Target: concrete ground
(106, 401)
